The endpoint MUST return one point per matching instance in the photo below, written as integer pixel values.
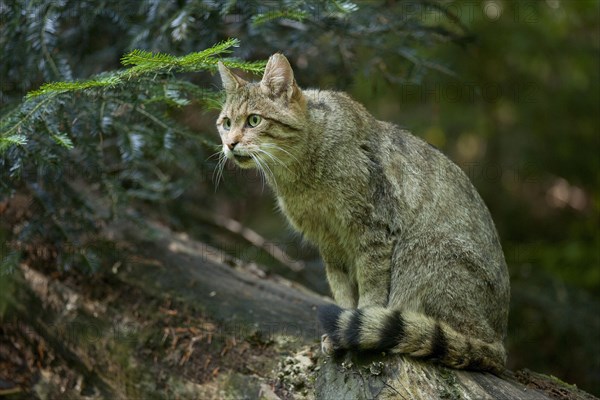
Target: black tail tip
(328, 316)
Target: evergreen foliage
(112, 133)
(142, 63)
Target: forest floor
(170, 338)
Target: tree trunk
(178, 319)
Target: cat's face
(261, 123)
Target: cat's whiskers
(219, 169)
(215, 175)
(280, 148)
(261, 168)
(275, 159)
(217, 153)
(270, 171)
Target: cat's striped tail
(415, 334)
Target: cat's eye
(226, 124)
(254, 120)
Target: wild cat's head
(262, 123)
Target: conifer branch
(113, 132)
(141, 63)
(9, 132)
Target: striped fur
(411, 253)
(414, 334)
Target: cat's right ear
(278, 80)
(231, 82)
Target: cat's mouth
(242, 159)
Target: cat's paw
(327, 346)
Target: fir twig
(143, 63)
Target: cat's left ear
(231, 82)
(278, 80)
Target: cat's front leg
(343, 288)
(344, 291)
(373, 272)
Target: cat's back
(333, 110)
(421, 173)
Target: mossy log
(400, 377)
(175, 318)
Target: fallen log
(175, 318)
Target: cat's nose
(231, 145)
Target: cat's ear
(231, 82)
(278, 80)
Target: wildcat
(411, 253)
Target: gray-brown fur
(411, 253)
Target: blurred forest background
(509, 90)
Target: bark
(175, 318)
